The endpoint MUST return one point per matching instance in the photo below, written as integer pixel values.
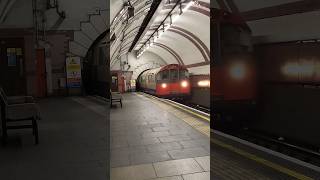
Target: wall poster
(12, 57)
(73, 68)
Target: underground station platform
(72, 143)
(150, 139)
(154, 138)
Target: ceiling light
(121, 11)
(167, 27)
(188, 6)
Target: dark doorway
(114, 82)
(12, 66)
(41, 73)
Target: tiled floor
(150, 142)
(174, 169)
(73, 143)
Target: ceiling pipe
(62, 14)
(153, 8)
(6, 10)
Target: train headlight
(184, 84)
(204, 83)
(237, 71)
(163, 85)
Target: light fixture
(188, 6)
(121, 12)
(238, 71)
(175, 18)
(167, 27)
(164, 85)
(184, 84)
(304, 68)
(172, 20)
(204, 83)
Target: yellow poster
(19, 51)
(73, 68)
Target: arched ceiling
(184, 40)
(277, 20)
(84, 20)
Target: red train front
(168, 81)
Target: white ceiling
(187, 41)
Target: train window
(174, 74)
(151, 79)
(183, 74)
(159, 76)
(165, 75)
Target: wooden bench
(115, 97)
(18, 112)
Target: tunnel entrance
(96, 68)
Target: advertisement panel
(73, 68)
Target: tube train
(168, 81)
(234, 92)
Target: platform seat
(115, 97)
(18, 112)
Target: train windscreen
(164, 75)
(174, 75)
(183, 74)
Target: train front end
(173, 81)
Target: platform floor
(73, 143)
(154, 140)
(149, 141)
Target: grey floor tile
(142, 141)
(204, 162)
(197, 135)
(177, 167)
(164, 147)
(138, 172)
(166, 128)
(173, 138)
(143, 158)
(154, 125)
(195, 143)
(128, 150)
(170, 178)
(188, 153)
(118, 160)
(119, 144)
(197, 176)
(176, 132)
(155, 134)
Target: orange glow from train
(164, 85)
(305, 68)
(238, 71)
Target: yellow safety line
(204, 129)
(236, 150)
(262, 161)
(187, 110)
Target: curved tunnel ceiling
(185, 40)
(275, 21)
